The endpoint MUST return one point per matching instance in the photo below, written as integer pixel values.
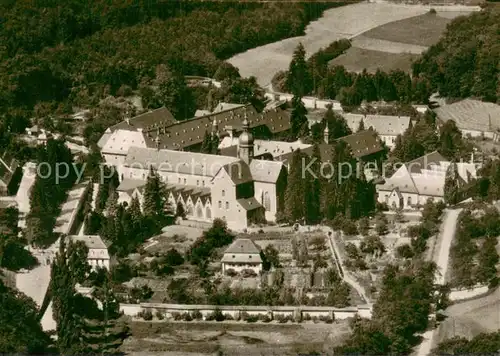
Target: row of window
(165, 179)
(220, 205)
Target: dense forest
(465, 62)
(74, 53)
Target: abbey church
(241, 190)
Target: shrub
(432, 11)
(146, 315)
(326, 319)
(231, 272)
(227, 317)
(252, 318)
(159, 315)
(218, 316)
(243, 316)
(187, 317)
(197, 315)
(246, 273)
(282, 319)
(307, 316)
(177, 316)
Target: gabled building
(241, 255)
(242, 190)
(388, 127)
(157, 129)
(98, 256)
(422, 179)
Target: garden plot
(342, 22)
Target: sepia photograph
(250, 178)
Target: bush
(227, 317)
(282, 319)
(218, 316)
(246, 273)
(243, 316)
(187, 317)
(349, 227)
(177, 316)
(432, 11)
(231, 272)
(146, 315)
(326, 319)
(197, 315)
(252, 318)
(307, 316)
(159, 315)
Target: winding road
(446, 235)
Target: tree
(69, 267)
(226, 71)
(295, 190)
(337, 126)
(381, 225)
(299, 80)
(298, 117)
(271, 257)
(488, 260)
(312, 189)
(482, 344)
(180, 211)
(361, 126)
(20, 329)
(173, 93)
(154, 197)
(452, 185)
(452, 146)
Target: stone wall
(463, 294)
(236, 311)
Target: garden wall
(235, 311)
(463, 294)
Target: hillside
(466, 60)
(74, 52)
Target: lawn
(357, 59)
(423, 30)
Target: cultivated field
(397, 44)
(232, 338)
(423, 30)
(357, 59)
(344, 22)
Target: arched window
(190, 210)
(199, 212)
(208, 213)
(267, 201)
(408, 201)
(223, 193)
